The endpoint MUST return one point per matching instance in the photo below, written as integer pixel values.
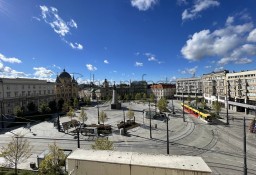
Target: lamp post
(124, 121)
(183, 115)
(227, 110)
(150, 132)
(245, 157)
(196, 97)
(172, 107)
(167, 132)
(98, 111)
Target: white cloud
(152, 57)
(42, 72)
(199, 5)
(8, 72)
(61, 27)
(252, 36)
(207, 67)
(229, 20)
(228, 42)
(55, 66)
(72, 23)
(9, 60)
(106, 62)
(91, 67)
(138, 64)
(191, 71)
(36, 18)
(76, 46)
(218, 69)
(143, 5)
(225, 61)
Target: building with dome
(66, 86)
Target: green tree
(102, 144)
(83, 115)
(103, 117)
(152, 98)
(251, 126)
(17, 151)
(138, 96)
(189, 99)
(44, 108)
(60, 104)
(53, 106)
(71, 113)
(76, 102)
(126, 97)
(162, 105)
(31, 106)
(51, 165)
(65, 107)
(216, 107)
(18, 111)
(203, 104)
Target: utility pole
(150, 132)
(245, 161)
(167, 134)
(172, 107)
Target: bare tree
(17, 151)
(103, 117)
(83, 115)
(130, 114)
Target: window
(8, 94)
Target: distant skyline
(123, 40)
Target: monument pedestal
(116, 106)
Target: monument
(115, 104)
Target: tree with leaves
(162, 104)
(76, 102)
(31, 106)
(216, 107)
(51, 165)
(53, 106)
(60, 104)
(152, 98)
(83, 115)
(44, 108)
(102, 144)
(252, 126)
(18, 111)
(17, 151)
(189, 99)
(71, 113)
(103, 117)
(66, 106)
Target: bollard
(155, 125)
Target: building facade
(189, 87)
(66, 86)
(166, 91)
(21, 91)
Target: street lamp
(167, 132)
(196, 97)
(124, 122)
(183, 115)
(150, 132)
(227, 110)
(98, 111)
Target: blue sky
(123, 39)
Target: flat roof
(141, 159)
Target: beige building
(166, 91)
(214, 86)
(20, 91)
(186, 87)
(99, 162)
(66, 86)
(242, 91)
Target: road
(219, 145)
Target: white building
(163, 90)
(20, 91)
(99, 162)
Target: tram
(197, 113)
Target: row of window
(28, 93)
(8, 87)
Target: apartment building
(20, 91)
(215, 86)
(242, 91)
(189, 87)
(163, 90)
